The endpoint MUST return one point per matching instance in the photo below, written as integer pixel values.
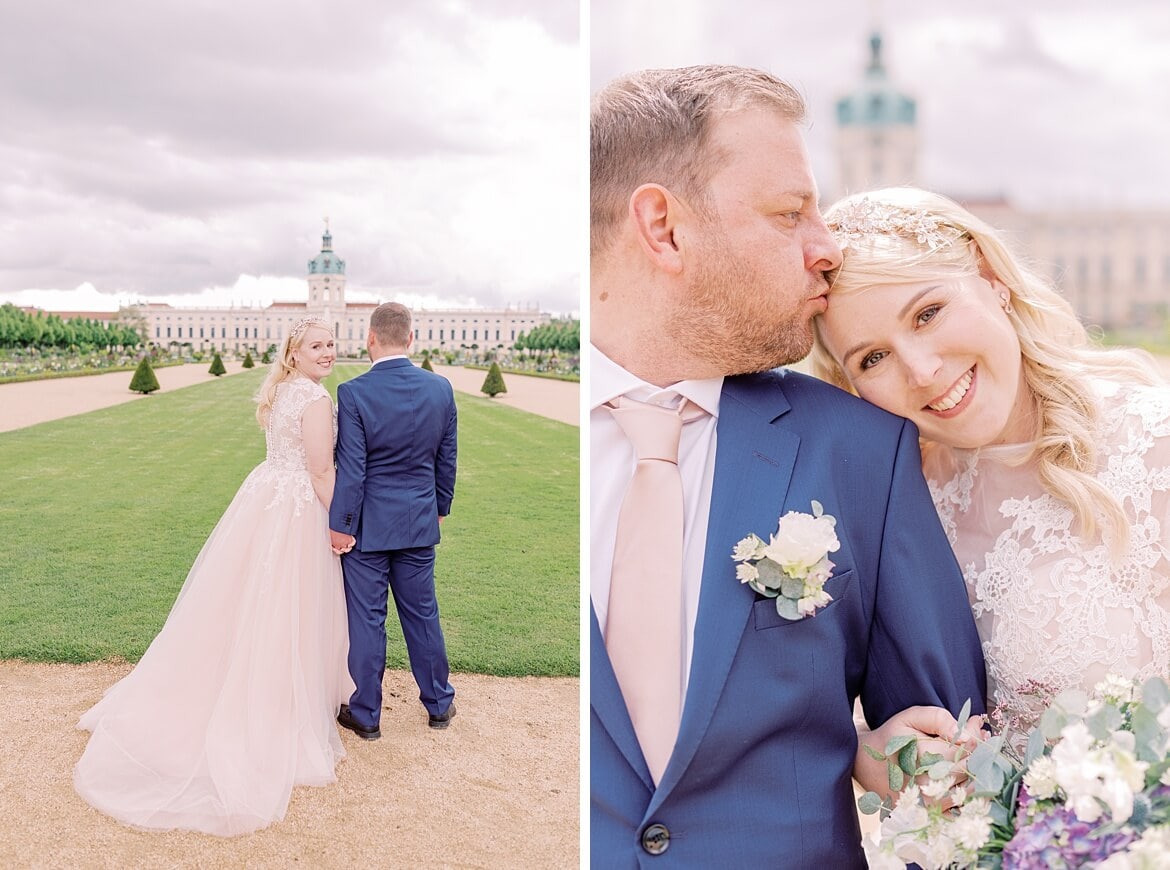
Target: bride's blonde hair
(282, 367)
(906, 235)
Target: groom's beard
(736, 322)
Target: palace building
(255, 328)
(1112, 264)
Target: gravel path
(32, 402)
(498, 789)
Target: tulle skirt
(234, 701)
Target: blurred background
(1049, 119)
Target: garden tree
(217, 368)
(131, 325)
(248, 361)
(494, 382)
(144, 380)
(426, 363)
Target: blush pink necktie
(643, 633)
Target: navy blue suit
(760, 774)
(396, 443)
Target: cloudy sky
(1049, 102)
(188, 151)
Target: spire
(875, 61)
(327, 239)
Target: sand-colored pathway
(498, 789)
(31, 402)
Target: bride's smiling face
(941, 353)
(314, 358)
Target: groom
(721, 732)
(395, 481)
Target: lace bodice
(286, 464)
(1052, 610)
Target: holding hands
(933, 727)
(340, 542)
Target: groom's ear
(654, 212)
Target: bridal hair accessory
(864, 217)
(301, 325)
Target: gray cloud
(157, 148)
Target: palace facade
(1112, 265)
(255, 328)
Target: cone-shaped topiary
(144, 380)
(217, 368)
(426, 364)
(248, 362)
(494, 382)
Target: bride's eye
(927, 314)
(871, 359)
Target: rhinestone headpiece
(864, 217)
(301, 325)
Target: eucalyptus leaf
(929, 759)
(1155, 693)
(873, 753)
(897, 778)
(1150, 739)
(908, 758)
(961, 720)
(1052, 722)
(1103, 721)
(1035, 748)
(869, 803)
(986, 768)
(792, 587)
(787, 608)
(895, 744)
(941, 769)
(771, 575)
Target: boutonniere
(794, 565)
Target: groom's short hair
(390, 322)
(654, 126)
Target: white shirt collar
(608, 380)
(391, 356)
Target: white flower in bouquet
(1150, 852)
(1040, 778)
(1093, 774)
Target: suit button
(656, 839)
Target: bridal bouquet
(1091, 790)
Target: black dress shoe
(366, 732)
(443, 719)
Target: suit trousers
(410, 576)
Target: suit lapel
(753, 466)
(605, 697)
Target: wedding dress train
(234, 701)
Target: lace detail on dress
(285, 467)
(1053, 611)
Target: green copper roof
(327, 262)
(877, 103)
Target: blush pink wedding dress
(234, 701)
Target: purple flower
(1056, 838)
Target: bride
(234, 701)
(1048, 458)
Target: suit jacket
(396, 444)
(760, 775)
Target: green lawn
(102, 514)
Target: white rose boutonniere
(794, 565)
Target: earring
(1006, 301)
